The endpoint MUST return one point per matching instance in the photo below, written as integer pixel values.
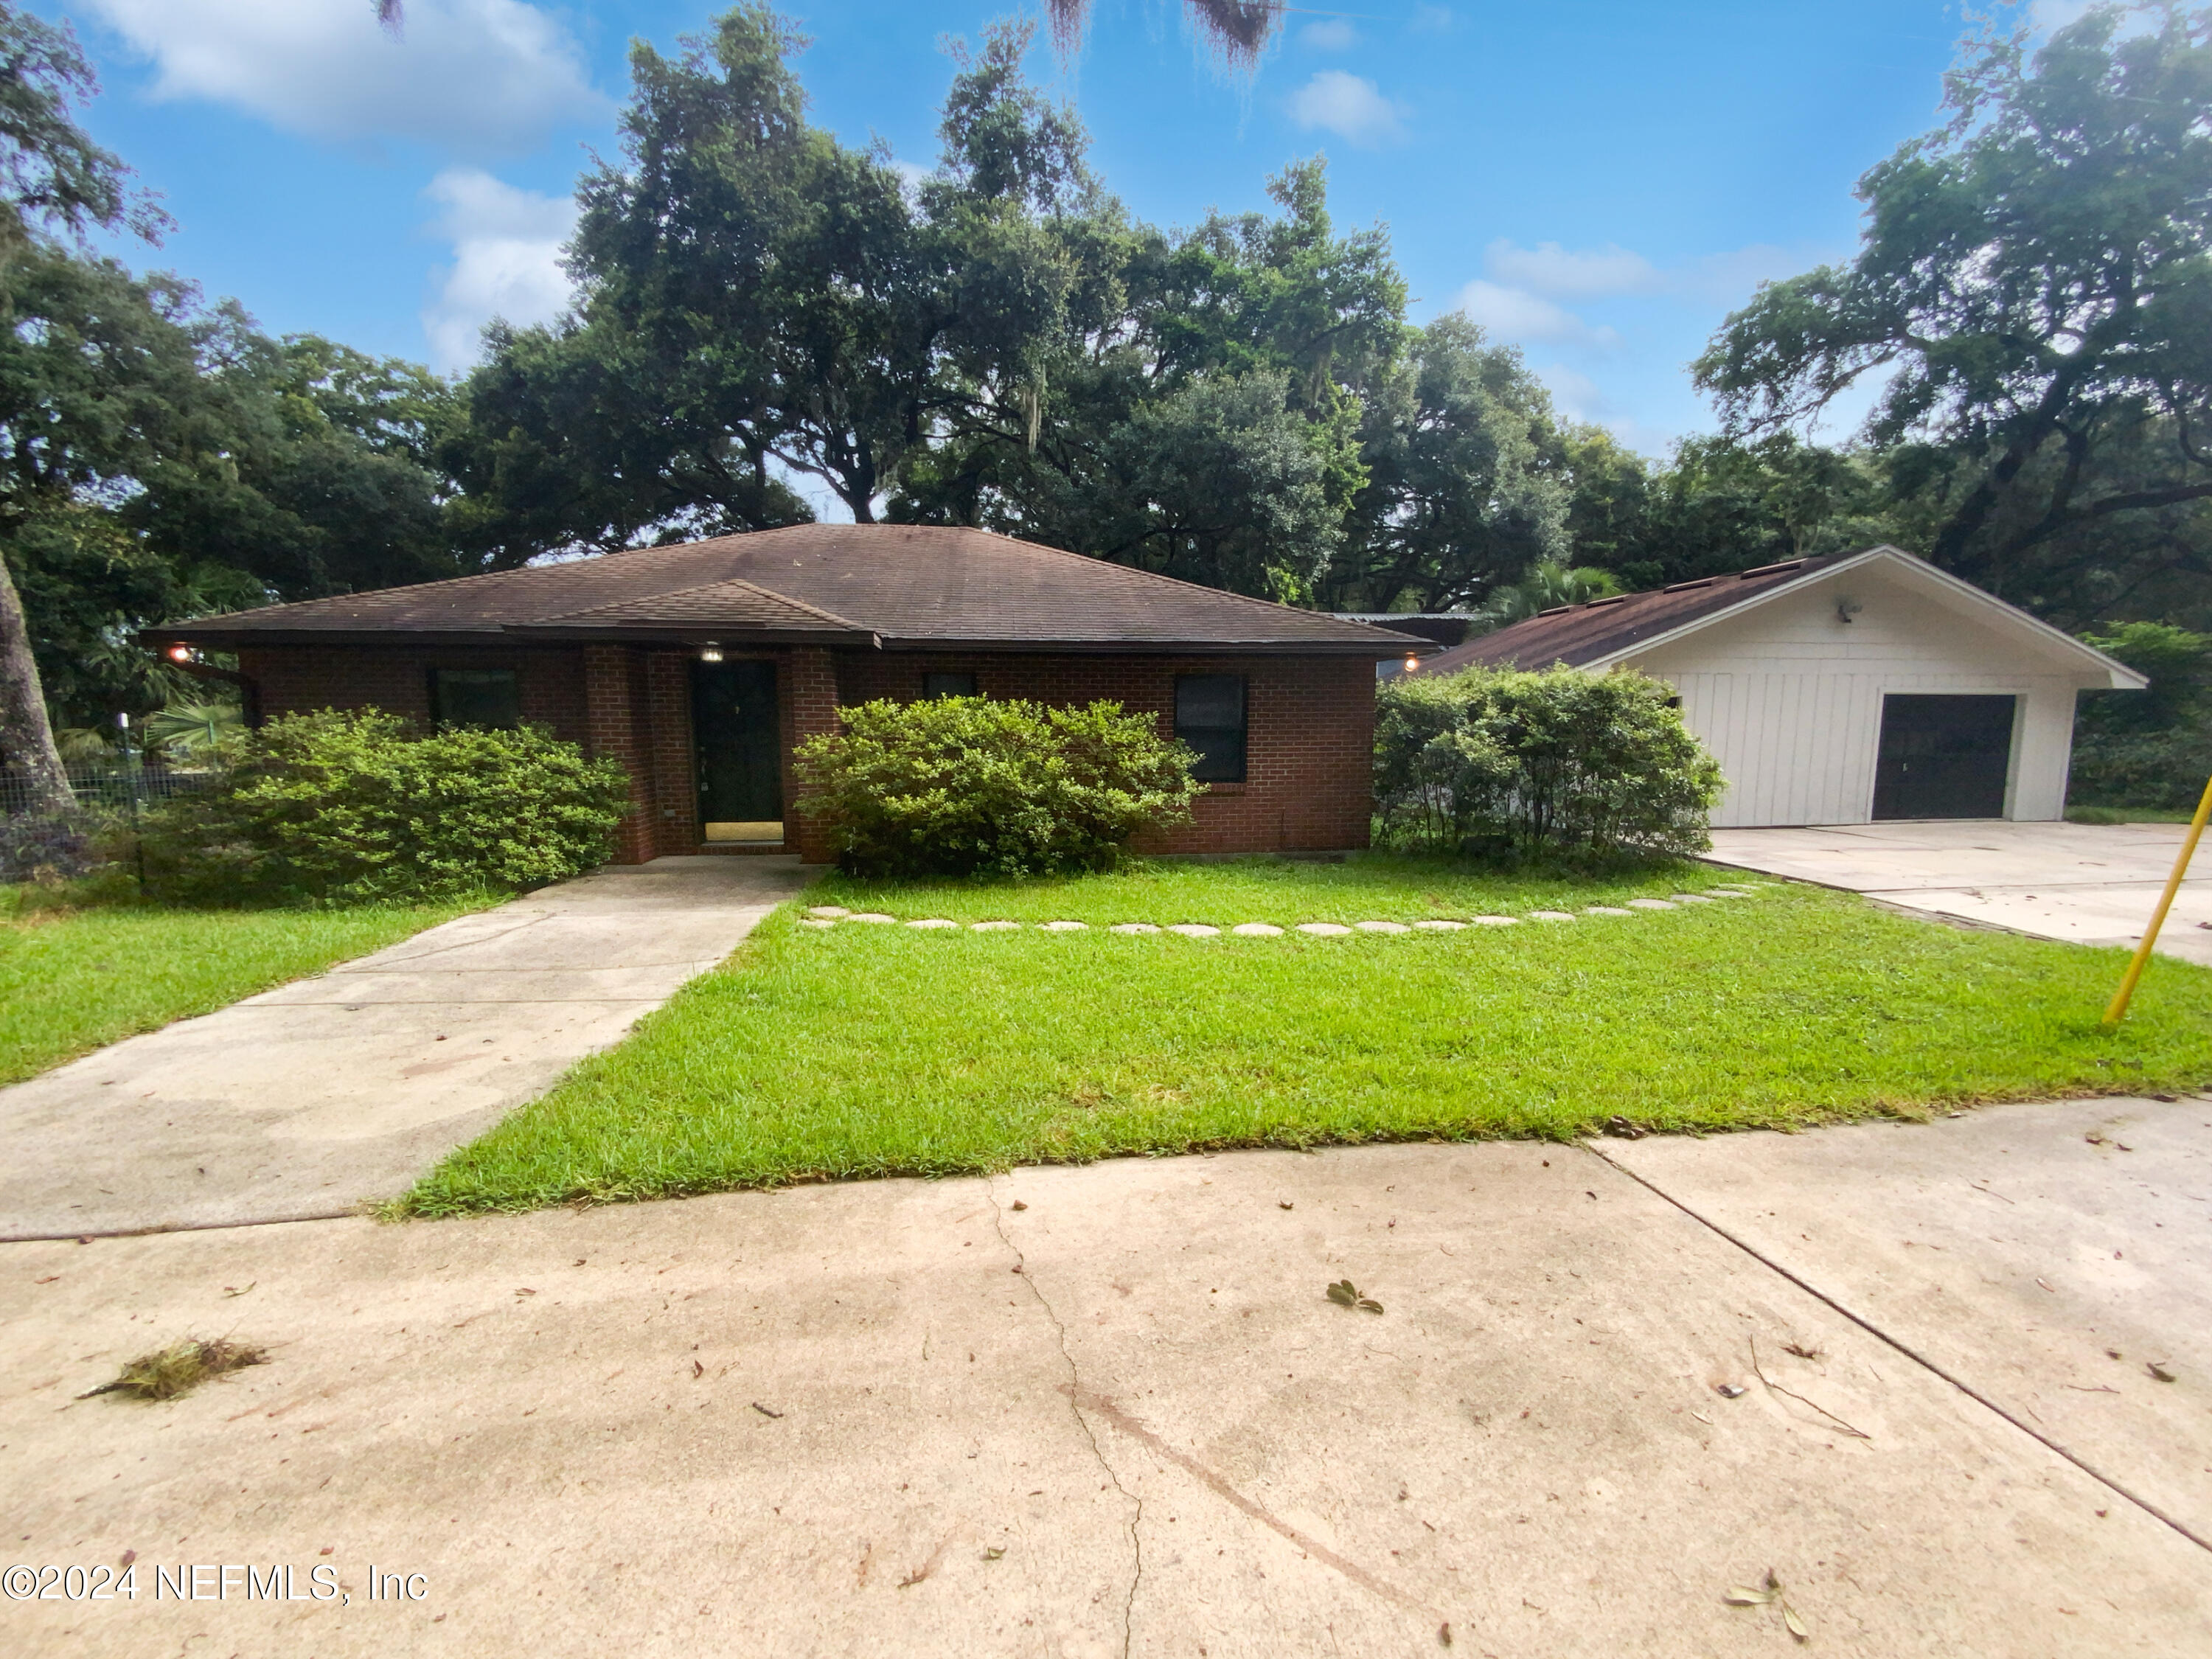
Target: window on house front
(1210, 718)
(934, 686)
(475, 697)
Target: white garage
(1841, 690)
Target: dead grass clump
(178, 1368)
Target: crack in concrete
(1867, 1324)
(1076, 1394)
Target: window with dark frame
(934, 686)
(1209, 717)
(487, 697)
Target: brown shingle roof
(908, 584)
(1582, 633)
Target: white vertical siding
(1788, 698)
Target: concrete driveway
(2082, 883)
(1109, 1410)
(305, 1100)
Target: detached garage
(1841, 690)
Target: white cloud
(2045, 15)
(1331, 34)
(507, 261)
(479, 76)
(1349, 106)
(1549, 268)
(1514, 313)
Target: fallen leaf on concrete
(2046, 1285)
(1443, 1634)
(1282, 1205)
(764, 1411)
(51, 1278)
(1730, 1390)
(1625, 1129)
(227, 1291)
(2169, 1099)
(1018, 1205)
(1346, 1294)
(1802, 1352)
(1796, 1626)
(698, 1370)
(2159, 1371)
(1703, 1418)
(994, 1552)
(1740, 1597)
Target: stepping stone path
(828, 915)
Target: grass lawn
(75, 977)
(870, 1050)
(2128, 815)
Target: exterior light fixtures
(711, 651)
(181, 653)
(1411, 663)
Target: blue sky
(1599, 181)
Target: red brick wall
(1309, 738)
(1309, 741)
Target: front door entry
(1943, 757)
(739, 743)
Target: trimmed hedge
(332, 809)
(971, 786)
(1504, 762)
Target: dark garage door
(1943, 757)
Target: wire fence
(122, 790)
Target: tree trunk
(27, 738)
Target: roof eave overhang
(1383, 642)
(1387, 645)
(2120, 677)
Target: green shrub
(964, 786)
(2149, 748)
(1498, 761)
(336, 808)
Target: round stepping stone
(871, 915)
(933, 921)
(1550, 915)
(1689, 898)
(818, 922)
(1063, 926)
(1256, 930)
(1194, 930)
(1726, 892)
(1133, 927)
(832, 911)
(1384, 927)
(1439, 927)
(1650, 904)
(992, 926)
(1323, 929)
(1605, 910)
(1496, 921)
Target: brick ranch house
(701, 667)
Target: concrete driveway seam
(1902, 1347)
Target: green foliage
(2151, 748)
(1544, 584)
(1536, 765)
(2033, 291)
(192, 726)
(335, 809)
(961, 786)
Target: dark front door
(1943, 757)
(739, 751)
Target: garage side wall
(1788, 698)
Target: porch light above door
(711, 651)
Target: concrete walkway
(1109, 1410)
(307, 1099)
(2086, 883)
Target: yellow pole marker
(2118, 1012)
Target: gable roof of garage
(893, 586)
(1602, 632)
